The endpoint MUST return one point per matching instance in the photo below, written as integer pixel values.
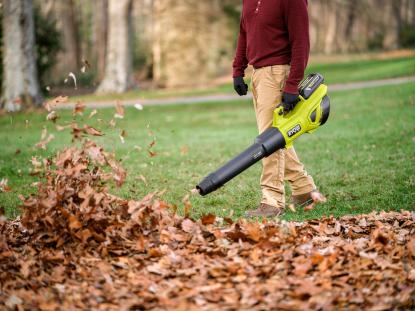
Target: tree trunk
(20, 79)
(118, 76)
(69, 59)
(191, 38)
(99, 36)
(351, 18)
(331, 29)
(397, 13)
(143, 38)
(392, 29)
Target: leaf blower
(312, 111)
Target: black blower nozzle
(265, 144)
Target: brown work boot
(265, 210)
(308, 199)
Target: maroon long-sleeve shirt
(274, 32)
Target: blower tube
(265, 145)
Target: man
(274, 39)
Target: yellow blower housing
(311, 111)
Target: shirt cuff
(291, 87)
(237, 72)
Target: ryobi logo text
(294, 130)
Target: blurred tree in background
(174, 43)
(20, 86)
(193, 41)
(46, 48)
(118, 63)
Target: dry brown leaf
(208, 219)
(49, 105)
(143, 179)
(253, 231)
(184, 150)
(79, 108)
(187, 205)
(411, 246)
(52, 116)
(291, 207)
(85, 66)
(4, 187)
(61, 128)
(188, 225)
(92, 131)
(123, 134)
(152, 154)
(44, 139)
(112, 123)
(93, 113)
(119, 110)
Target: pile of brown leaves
(78, 247)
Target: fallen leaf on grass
(52, 116)
(152, 154)
(61, 128)
(13, 301)
(44, 139)
(123, 134)
(56, 101)
(188, 226)
(208, 219)
(310, 207)
(4, 185)
(187, 205)
(93, 113)
(411, 246)
(92, 131)
(112, 123)
(95, 152)
(318, 197)
(184, 150)
(79, 109)
(194, 191)
(253, 231)
(152, 144)
(144, 180)
(291, 207)
(119, 110)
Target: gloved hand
(240, 86)
(289, 101)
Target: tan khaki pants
(267, 86)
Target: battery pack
(310, 84)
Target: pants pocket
(279, 75)
(278, 70)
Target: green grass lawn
(341, 72)
(363, 159)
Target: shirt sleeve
(296, 15)
(240, 62)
